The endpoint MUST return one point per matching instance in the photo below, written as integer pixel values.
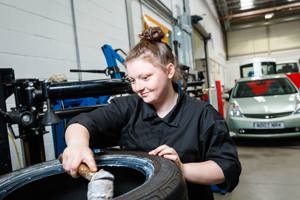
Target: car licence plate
(268, 125)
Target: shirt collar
(172, 118)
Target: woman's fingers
(72, 157)
(167, 150)
(74, 164)
(163, 149)
(158, 150)
(170, 157)
(168, 153)
(91, 163)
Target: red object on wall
(219, 98)
(295, 77)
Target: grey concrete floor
(270, 171)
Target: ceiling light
(246, 4)
(269, 15)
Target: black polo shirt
(193, 128)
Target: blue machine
(112, 70)
(111, 57)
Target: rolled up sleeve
(221, 149)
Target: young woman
(159, 120)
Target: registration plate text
(268, 125)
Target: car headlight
(234, 110)
(297, 110)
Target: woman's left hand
(168, 153)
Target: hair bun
(152, 34)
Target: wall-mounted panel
(250, 41)
(285, 36)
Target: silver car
(264, 107)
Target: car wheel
(137, 176)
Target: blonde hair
(152, 49)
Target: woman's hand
(169, 153)
(205, 173)
(77, 151)
(73, 155)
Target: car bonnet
(267, 104)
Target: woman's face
(148, 81)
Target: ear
(170, 70)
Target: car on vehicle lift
(264, 107)
(287, 67)
(257, 67)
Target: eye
(132, 81)
(145, 78)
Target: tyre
(137, 176)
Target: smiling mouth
(144, 94)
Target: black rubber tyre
(137, 176)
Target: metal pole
(206, 63)
(129, 23)
(5, 160)
(76, 40)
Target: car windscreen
(266, 87)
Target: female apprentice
(159, 120)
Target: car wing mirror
(226, 96)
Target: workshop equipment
(30, 97)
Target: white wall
(176, 8)
(135, 16)
(279, 37)
(37, 36)
(280, 42)
(138, 9)
(216, 49)
(100, 22)
(285, 36)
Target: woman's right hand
(74, 155)
(77, 150)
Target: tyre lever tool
(101, 183)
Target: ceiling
(242, 14)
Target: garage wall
(137, 9)
(198, 46)
(37, 36)
(264, 39)
(100, 22)
(285, 36)
(250, 42)
(280, 42)
(216, 49)
(164, 13)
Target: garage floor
(270, 171)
